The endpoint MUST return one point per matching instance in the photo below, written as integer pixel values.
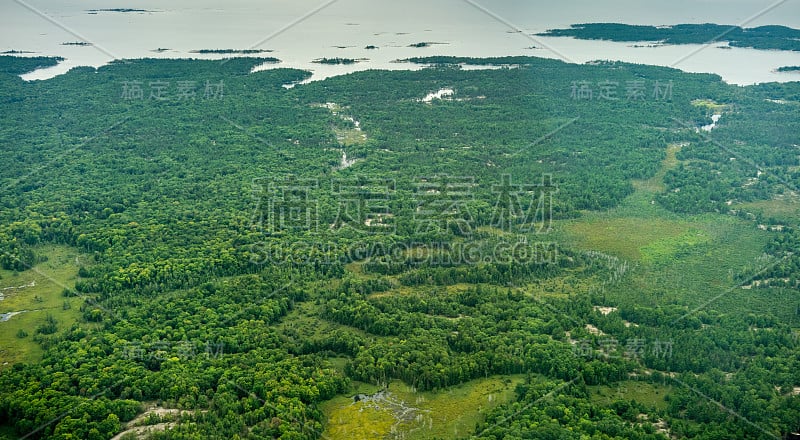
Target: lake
(300, 31)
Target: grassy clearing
(711, 105)
(346, 136)
(666, 250)
(686, 259)
(656, 183)
(40, 296)
(625, 237)
(339, 363)
(350, 137)
(638, 228)
(785, 208)
(303, 323)
(409, 414)
(648, 394)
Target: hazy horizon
(299, 32)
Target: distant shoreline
(771, 37)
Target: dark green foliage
(236, 51)
(553, 410)
(335, 61)
(194, 300)
(12, 65)
(49, 326)
(762, 37)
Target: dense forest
(249, 248)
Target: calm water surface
(302, 30)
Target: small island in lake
(425, 44)
(226, 51)
(95, 11)
(788, 69)
(336, 60)
(444, 61)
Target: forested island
(547, 251)
(123, 10)
(450, 60)
(423, 44)
(762, 37)
(231, 51)
(336, 60)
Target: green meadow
(403, 412)
(36, 294)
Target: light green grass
(625, 237)
(648, 394)
(637, 229)
(656, 183)
(786, 208)
(51, 277)
(684, 259)
(711, 105)
(349, 137)
(450, 413)
(668, 249)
